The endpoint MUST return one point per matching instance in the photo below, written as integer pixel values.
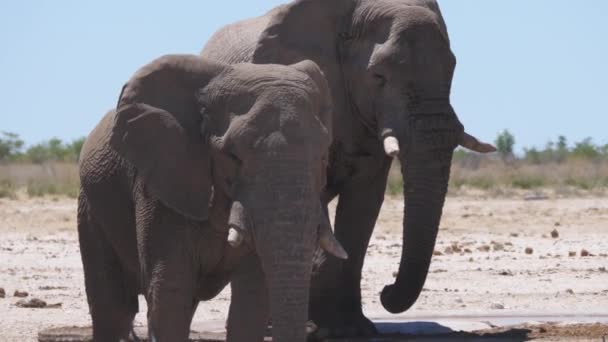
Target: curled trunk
(426, 171)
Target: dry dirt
(493, 257)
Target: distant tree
(534, 156)
(75, 148)
(504, 144)
(10, 146)
(585, 150)
(561, 151)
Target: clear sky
(536, 67)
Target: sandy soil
(481, 265)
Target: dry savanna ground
(494, 256)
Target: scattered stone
(557, 224)
(395, 274)
(21, 294)
(483, 248)
(505, 273)
(603, 269)
(514, 234)
(2, 293)
(468, 251)
(570, 291)
(509, 244)
(585, 253)
(471, 259)
(459, 300)
(497, 306)
(498, 246)
(572, 254)
(32, 303)
(437, 253)
(529, 250)
(554, 234)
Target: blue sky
(538, 68)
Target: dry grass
(486, 174)
(39, 179)
(499, 177)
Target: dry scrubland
(471, 174)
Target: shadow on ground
(416, 331)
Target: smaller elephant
(206, 174)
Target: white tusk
(235, 238)
(391, 146)
(328, 241)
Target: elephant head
(258, 135)
(390, 68)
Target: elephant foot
(343, 325)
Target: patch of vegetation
(44, 188)
(7, 189)
(528, 182)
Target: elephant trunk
(426, 169)
(285, 233)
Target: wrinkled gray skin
(194, 148)
(389, 67)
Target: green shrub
(43, 188)
(7, 189)
(527, 182)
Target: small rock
(506, 273)
(602, 269)
(572, 254)
(570, 291)
(21, 294)
(459, 300)
(542, 330)
(557, 224)
(554, 234)
(483, 248)
(468, 251)
(514, 234)
(497, 306)
(437, 253)
(32, 303)
(2, 293)
(395, 274)
(498, 247)
(529, 250)
(584, 253)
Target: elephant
(205, 174)
(389, 67)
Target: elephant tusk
(470, 142)
(391, 146)
(235, 237)
(328, 241)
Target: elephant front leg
(249, 308)
(169, 274)
(336, 289)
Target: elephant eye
(380, 80)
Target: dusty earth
(494, 257)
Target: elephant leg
(167, 245)
(249, 306)
(111, 293)
(336, 295)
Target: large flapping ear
(308, 29)
(157, 129)
(433, 6)
(314, 72)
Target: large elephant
(389, 67)
(206, 173)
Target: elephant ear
(308, 29)
(157, 128)
(325, 102)
(433, 6)
(175, 168)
